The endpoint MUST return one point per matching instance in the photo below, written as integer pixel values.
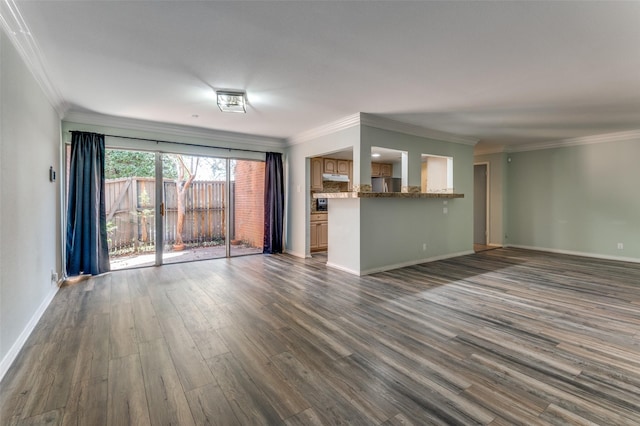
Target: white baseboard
(297, 254)
(6, 362)
(343, 269)
(577, 253)
(415, 262)
(399, 265)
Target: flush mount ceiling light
(375, 154)
(231, 101)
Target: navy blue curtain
(273, 204)
(87, 249)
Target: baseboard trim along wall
(399, 265)
(297, 254)
(343, 269)
(6, 362)
(577, 253)
(415, 262)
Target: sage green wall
(582, 199)
(393, 231)
(497, 195)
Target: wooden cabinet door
(375, 169)
(313, 236)
(316, 173)
(386, 170)
(323, 235)
(330, 166)
(343, 167)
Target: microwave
(321, 204)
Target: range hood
(335, 178)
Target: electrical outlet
(424, 247)
(445, 210)
(620, 246)
(54, 276)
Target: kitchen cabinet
(350, 176)
(318, 232)
(343, 167)
(375, 169)
(381, 170)
(317, 167)
(331, 165)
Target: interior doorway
(481, 204)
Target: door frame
(160, 204)
(159, 209)
(487, 199)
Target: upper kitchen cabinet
(343, 167)
(375, 169)
(381, 170)
(386, 170)
(317, 168)
(331, 166)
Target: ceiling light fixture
(231, 101)
(375, 154)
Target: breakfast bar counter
(338, 195)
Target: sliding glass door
(205, 208)
(246, 227)
(130, 207)
(195, 209)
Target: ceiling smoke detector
(231, 101)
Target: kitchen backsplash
(329, 186)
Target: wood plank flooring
(502, 337)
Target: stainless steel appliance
(386, 184)
(321, 204)
(332, 177)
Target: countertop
(338, 195)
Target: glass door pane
(195, 204)
(130, 207)
(246, 226)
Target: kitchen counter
(421, 195)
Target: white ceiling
(502, 72)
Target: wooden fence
(130, 205)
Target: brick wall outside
(249, 202)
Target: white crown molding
(326, 129)
(486, 150)
(378, 122)
(383, 123)
(21, 38)
(218, 136)
(586, 140)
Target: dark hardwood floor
(503, 337)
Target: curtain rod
(181, 143)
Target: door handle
(162, 209)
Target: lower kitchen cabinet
(318, 232)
